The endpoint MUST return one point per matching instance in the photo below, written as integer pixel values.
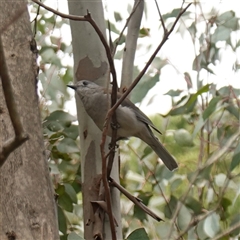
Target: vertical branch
(131, 44)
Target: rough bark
(27, 206)
(91, 63)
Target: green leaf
(138, 234)
(221, 34)
(53, 126)
(175, 12)
(71, 192)
(184, 217)
(234, 222)
(67, 145)
(211, 107)
(187, 108)
(190, 104)
(144, 32)
(220, 180)
(142, 88)
(71, 132)
(57, 121)
(174, 93)
(228, 20)
(198, 126)
(233, 110)
(193, 204)
(170, 207)
(68, 75)
(74, 236)
(176, 184)
(61, 116)
(225, 203)
(65, 202)
(62, 223)
(63, 237)
(139, 213)
(60, 190)
(120, 41)
(183, 138)
(204, 175)
(200, 231)
(57, 154)
(236, 157)
(211, 225)
(117, 16)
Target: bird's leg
(115, 126)
(110, 146)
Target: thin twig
(20, 137)
(126, 24)
(227, 232)
(194, 222)
(161, 18)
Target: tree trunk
(91, 63)
(27, 206)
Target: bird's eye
(85, 83)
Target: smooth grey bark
(90, 62)
(131, 44)
(27, 205)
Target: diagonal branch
(161, 18)
(135, 200)
(126, 24)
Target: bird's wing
(139, 114)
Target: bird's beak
(72, 86)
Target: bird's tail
(163, 154)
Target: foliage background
(198, 116)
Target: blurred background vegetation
(200, 128)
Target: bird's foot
(115, 126)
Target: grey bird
(131, 120)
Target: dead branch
(135, 200)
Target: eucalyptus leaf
(74, 236)
(211, 107)
(183, 138)
(62, 223)
(138, 234)
(67, 145)
(142, 88)
(71, 192)
(211, 225)
(184, 217)
(65, 202)
(236, 157)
